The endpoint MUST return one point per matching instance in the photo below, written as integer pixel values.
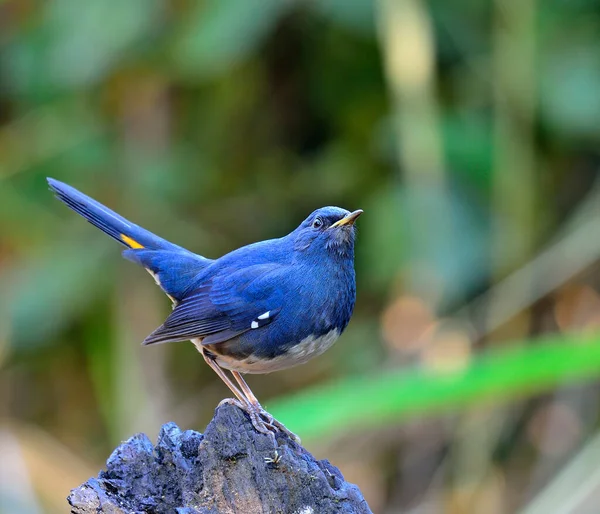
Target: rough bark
(230, 468)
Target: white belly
(298, 354)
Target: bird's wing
(227, 304)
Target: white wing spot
(265, 315)
(254, 324)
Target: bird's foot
(258, 423)
(277, 425)
(262, 421)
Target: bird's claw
(259, 424)
(277, 425)
(268, 418)
(262, 421)
(232, 401)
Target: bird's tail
(116, 226)
(172, 266)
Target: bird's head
(330, 228)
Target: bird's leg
(242, 402)
(215, 367)
(246, 389)
(262, 412)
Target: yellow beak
(348, 220)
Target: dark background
(468, 131)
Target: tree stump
(231, 468)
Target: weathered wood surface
(230, 468)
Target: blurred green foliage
(467, 131)
(368, 402)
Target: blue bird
(264, 307)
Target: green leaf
(468, 146)
(358, 15)
(220, 33)
(47, 292)
(395, 396)
(569, 85)
(77, 43)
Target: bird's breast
(290, 355)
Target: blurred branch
(16, 488)
(408, 49)
(407, 43)
(133, 368)
(366, 402)
(575, 484)
(553, 435)
(513, 205)
(514, 184)
(573, 251)
(42, 454)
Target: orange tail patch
(132, 243)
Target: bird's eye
(318, 223)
